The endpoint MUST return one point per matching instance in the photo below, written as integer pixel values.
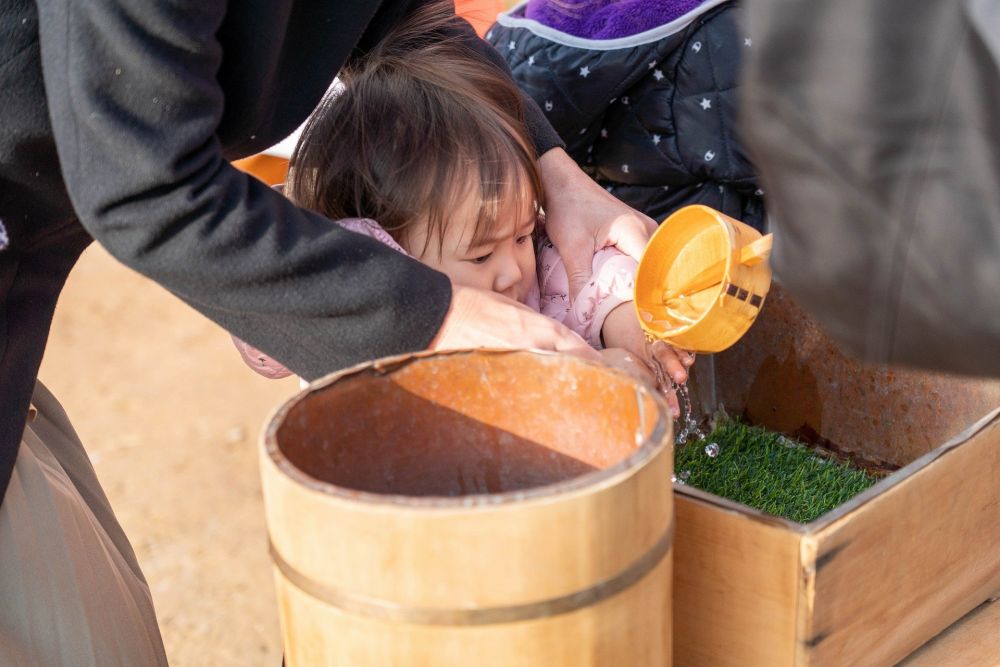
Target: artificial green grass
(768, 472)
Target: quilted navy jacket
(651, 115)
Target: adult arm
(135, 106)
(581, 218)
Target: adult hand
(478, 318)
(581, 217)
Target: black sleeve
(134, 104)
(879, 149)
(542, 134)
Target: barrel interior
(467, 424)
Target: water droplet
(688, 424)
(712, 450)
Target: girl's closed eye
(521, 240)
(482, 259)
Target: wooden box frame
(871, 581)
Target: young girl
(430, 142)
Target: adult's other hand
(581, 217)
(478, 318)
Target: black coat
(125, 139)
(877, 129)
(653, 117)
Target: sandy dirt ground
(170, 418)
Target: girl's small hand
(621, 329)
(675, 363)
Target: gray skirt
(71, 591)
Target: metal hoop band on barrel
(385, 610)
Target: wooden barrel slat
(534, 527)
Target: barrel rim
(647, 449)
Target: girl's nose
(508, 277)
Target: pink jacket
(612, 283)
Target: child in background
(430, 142)
(645, 93)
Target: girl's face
(503, 263)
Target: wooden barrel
(488, 508)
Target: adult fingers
(478, 318)
(630, 232)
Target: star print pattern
(619, 134)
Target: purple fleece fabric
(606, 19)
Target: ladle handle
(757, 251)
(750, 254)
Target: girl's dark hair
(419, 121)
